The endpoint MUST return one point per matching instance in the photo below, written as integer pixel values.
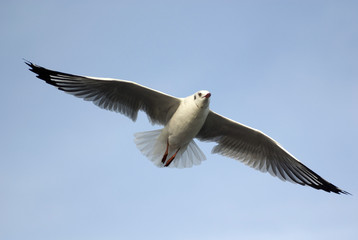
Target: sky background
(70, 170)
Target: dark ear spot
(194, 97)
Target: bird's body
(179, 132)
(185, 119)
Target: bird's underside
(233, 139)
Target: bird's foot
(165, 154)
(170, 160)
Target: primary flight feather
(185, 119)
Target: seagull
(185, 119)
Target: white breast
(185, 123)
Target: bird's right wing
(259, 151)
(113, 94)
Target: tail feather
(153, 147)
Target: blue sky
(69, 170)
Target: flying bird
(185, 119)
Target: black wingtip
(328, 187)
(30, 64)
(27, 62)
(33, 67)
(42, 73)
(344, 192)
(319, 183)
(336, 190)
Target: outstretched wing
(259, 151)
(113, 94)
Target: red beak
(207, 95)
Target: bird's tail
(153, 147)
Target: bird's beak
(207, 95)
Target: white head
(202, 98)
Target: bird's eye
(194, 97)
(199, 94)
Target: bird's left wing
(113, 94)
(259, 151)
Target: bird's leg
(170, 160)
(166, 153)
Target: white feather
(153, 147)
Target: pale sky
(70, 170)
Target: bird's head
(202, 98)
